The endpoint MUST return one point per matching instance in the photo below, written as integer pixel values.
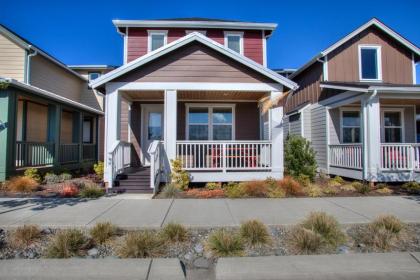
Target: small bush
(303, 179)
(65, 177)
(99, 169)
(255, 188)
(291, 186)
(337, 181)
(69, 190)
(91, 191)
(381, 186)
(385, 191)
(170, 191)
(276, 192)
(213, 186)
(33, 174)
(330, 190)
(361, 187)
(304, 241)
(299, 157)
(313, 191)
(223, 243)
(412, 187)
(141, 244)
(51, 178)
(174, 232)
(67, 243)
(254, 233)
(235, 190)
(179, 177)
(102, 232)
(390, 223)
(21, 184)
(23, 236)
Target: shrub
(330, 190)
(254, 233)
(412, 187)
(69, 190)
(304, 180)
(213, 186)
(385, 191)
(33, 174)
(291, 186)
(217, 193)
(326, 226)
(25, 235)
(174, 232)
(336, 181)
(304, 241)
(235, 190)
(91, 191)
(51, 178)
(170, 191)
(140, 244)
(255, 188)
(299, 157)
(67, 243)
(313, 191)
(223, 243)
(361, 188)
(390, 223)
(381, 186)
(179, 177)
(276, 192)
(99, 169)
(21, 184)
(348, 188)
(65, 176)
(102, 232)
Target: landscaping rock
(188, 256)
(343, 250)
(198, 248)
(201, 263)
(93, 253)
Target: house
(357, 103)
(49, 117)
(191, 89)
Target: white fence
(346, 155)
(120, 158)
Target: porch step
(135, 180)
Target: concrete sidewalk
(138, 213)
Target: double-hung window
(210, 122)
(234, 41)
(392, 126)
(370, 65)
(157, 39)
(350, 126)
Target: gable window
(157, 39)
(93, 75)
(210, 122)
(234, 41)
(370, 63)
(392, 126)
(350, 126)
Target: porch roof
(370, 86)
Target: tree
(299, 157)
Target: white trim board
(378, 49)
(239, 34)
(184, 41)
(150, 33)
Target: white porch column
(112, 128)
(371, 137)
(170, 125)
(276, 133)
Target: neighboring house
(286, 72)
(49, 119)
(192, 89)
(357, 103)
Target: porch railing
(399, 156)
(120, 158)
(224, 155)
(69, 153)
(346, 156)
(156, 164)
(32, 154)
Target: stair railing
(119, 159)
(155, 152)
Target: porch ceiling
(400, 101)
(198, 95)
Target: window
(370, 63)
(87, 130)
(392, 126)
(234, 41)
(210, 123)
(350, 126)
(154, 130)
(157, 39)
(93, 75)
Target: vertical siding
(319, 135)
(12, 60)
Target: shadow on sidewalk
(38, 204)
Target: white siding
(319, 134)
(334, 123)
(296, 125)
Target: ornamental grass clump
(313, 190)
(33, 173)
(24, 235)
(361, 188)
(91, 190)
(304, 241)
(235, 190)
(255, 188)
(174, 232)
(103, 232)
(291, 186)
(22, 184)
(224, 243)
(67, 243)
(141, 244)
(254, 233)
(170, 191)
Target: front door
(152, 128)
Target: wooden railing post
(224, 158)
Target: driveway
(138, 213)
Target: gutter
(28, 64)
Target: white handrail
(154, 151)
(119, 159)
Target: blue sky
(81, 32)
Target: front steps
(134, 180)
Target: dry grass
(141, 244)
(102, 232)
(170, 191)
(25, 235)
(304, 241)
(330, 190)
(385, 191)
(67, 243)
(255, 233)
(348, 188)
(255, 188)
(223, 243)
(313, 191)
(276, 192)
(390, 223)
(291, 186)
(361, 187)
(22, 184)
(174, 232)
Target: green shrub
(381, 186)
(361, 188)
(235, 190)
(170, 191)
(51, 178)
(33, 174)
(24, 235)
(65, 176)
(213, 186)
(223, 243)
(174, 232)
(336, 181)
(179, 177)
(254, 233)
(304, 241)
(412, 187)
(102, 232)
(99, 169)
(299, 157)
(91, 191)
(141, 244)
(67, 243)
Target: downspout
(364, 135)
(28, 64)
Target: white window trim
(150, 33)
(239, 34)
(348, 109)
(203, 32)
(378, 49)
(393, 110)
(414, 69)
(210, 121)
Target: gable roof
(372, 22)
(25, 44)
(193, 37)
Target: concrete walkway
(138, 213)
